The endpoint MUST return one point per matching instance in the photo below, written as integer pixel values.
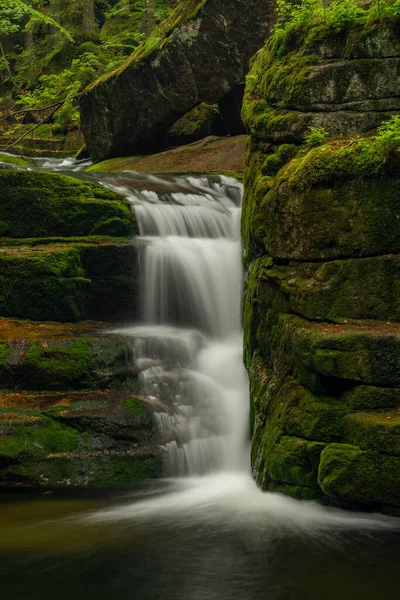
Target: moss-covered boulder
(357, 477)
(38, 204)
(198, 55)
(335, 290)
(202, 121)
(334, 202)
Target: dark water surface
(63, 548)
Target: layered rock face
(199, 55)
(63, 256)
(322, 245)
(69, 415)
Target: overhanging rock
(199, 55)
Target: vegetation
(339, 16)
(51, 50)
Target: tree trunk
(88, 19)
(149, 19)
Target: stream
(205, 532)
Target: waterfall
(189, 343)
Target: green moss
(338, 290)
(3, 354)
(84, 278)
(136, 406)
(279, 158)
(184, 11)
(37, 437)
(199, 122)
(295, 461)
(43, 285)
(343, 219)
(84, 469)
(336, 161)
(369, 397)
(14, 160)
(37, 204)
(367, 353)
(378, 431)
(68, 364)
(367, 478)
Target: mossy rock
(344, 219)
(7, 160)
(316, 77)
(90, 469)
(200, 122)
(38, 204)
(378, 431)
(43, 285)
(335, 291)
(183, 63)
(57, 439)
(81, 363)
(368, 397)
(360, 352)
(61, 281)
(369, 479)
(295, 461)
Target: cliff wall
(322, 244)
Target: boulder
(200, 122)
(199, 54)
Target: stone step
(88, 278)
(59, 357)
(362, 351)
(76, 438)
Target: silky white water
(189, 347)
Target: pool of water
(175, 541)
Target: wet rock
(210, 155)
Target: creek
(205, 532)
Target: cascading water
(190, 341)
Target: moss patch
(37, 204)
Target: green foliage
(339, 16)
(63, 57)
(315, 136)
(13, 11)
(389, 132)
